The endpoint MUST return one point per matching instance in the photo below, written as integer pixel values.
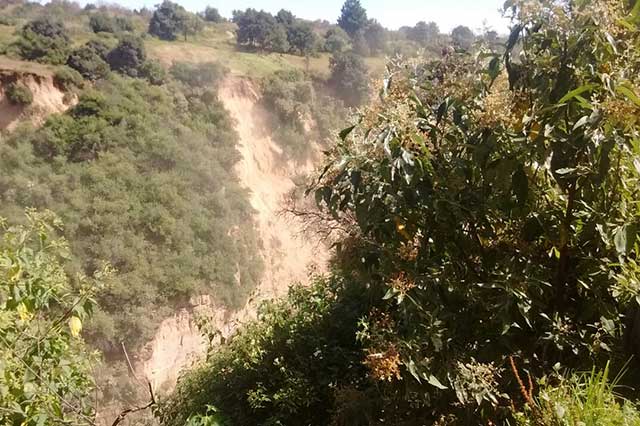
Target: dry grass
(9, 64)
(217, 43)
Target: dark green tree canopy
(336, 40)
(375, 36)
(302, 38)
(128, 56)
(44, 40)
(424, 32)
(462, 37)
(87, 60)
(353, 18)
(211, 14)
(349, 77)
(169, 20)
(285, 17)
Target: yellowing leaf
(75, 325)
(23, 312)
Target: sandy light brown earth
(288, 256)
(47, 98)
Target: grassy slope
(217, 43)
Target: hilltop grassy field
(215, 43)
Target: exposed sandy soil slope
(47, 99)
(288, 257)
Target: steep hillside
(288, 258)
(48, 97)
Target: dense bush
(104, 22)
(154, 72)
(44, 40)
(88, 61)
(144, 179)
(349, 77)
(19, 94)
(284, 368)
(201, 75)
(486, 208)
(336, 40)
(169, 21)
(128, 56)
(298, 112)
(211, 14)
(68, 78)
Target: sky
(391, 13)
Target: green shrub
(44, 40)
(198, 75)
(19, 94)
(144, 179)
(288, 367)
(87, 61)
(154, 72)
(68, 78)
(128, 56)
(349, 77)
(103, 22)
(588, 399)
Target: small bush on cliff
(44, 40)
(87, 61)
(68, 78)
(19, 94)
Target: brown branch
(128, 411)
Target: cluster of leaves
(581, 399)
(494, 205)
(19, 94)
(90, 60)
(283, 33)
(299, 112)
(283, 368)
(45, 373)
(44, 40)
(491, 211)
(47, 40)
(143, 176)
(106, 23)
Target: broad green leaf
(626, 91)
(572, 94)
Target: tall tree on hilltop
(168, 21)
(462, 37)
(353, 18)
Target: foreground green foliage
(489, 208)
(45, 371)
(143, 176)
(284, 368)
(589, 399)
